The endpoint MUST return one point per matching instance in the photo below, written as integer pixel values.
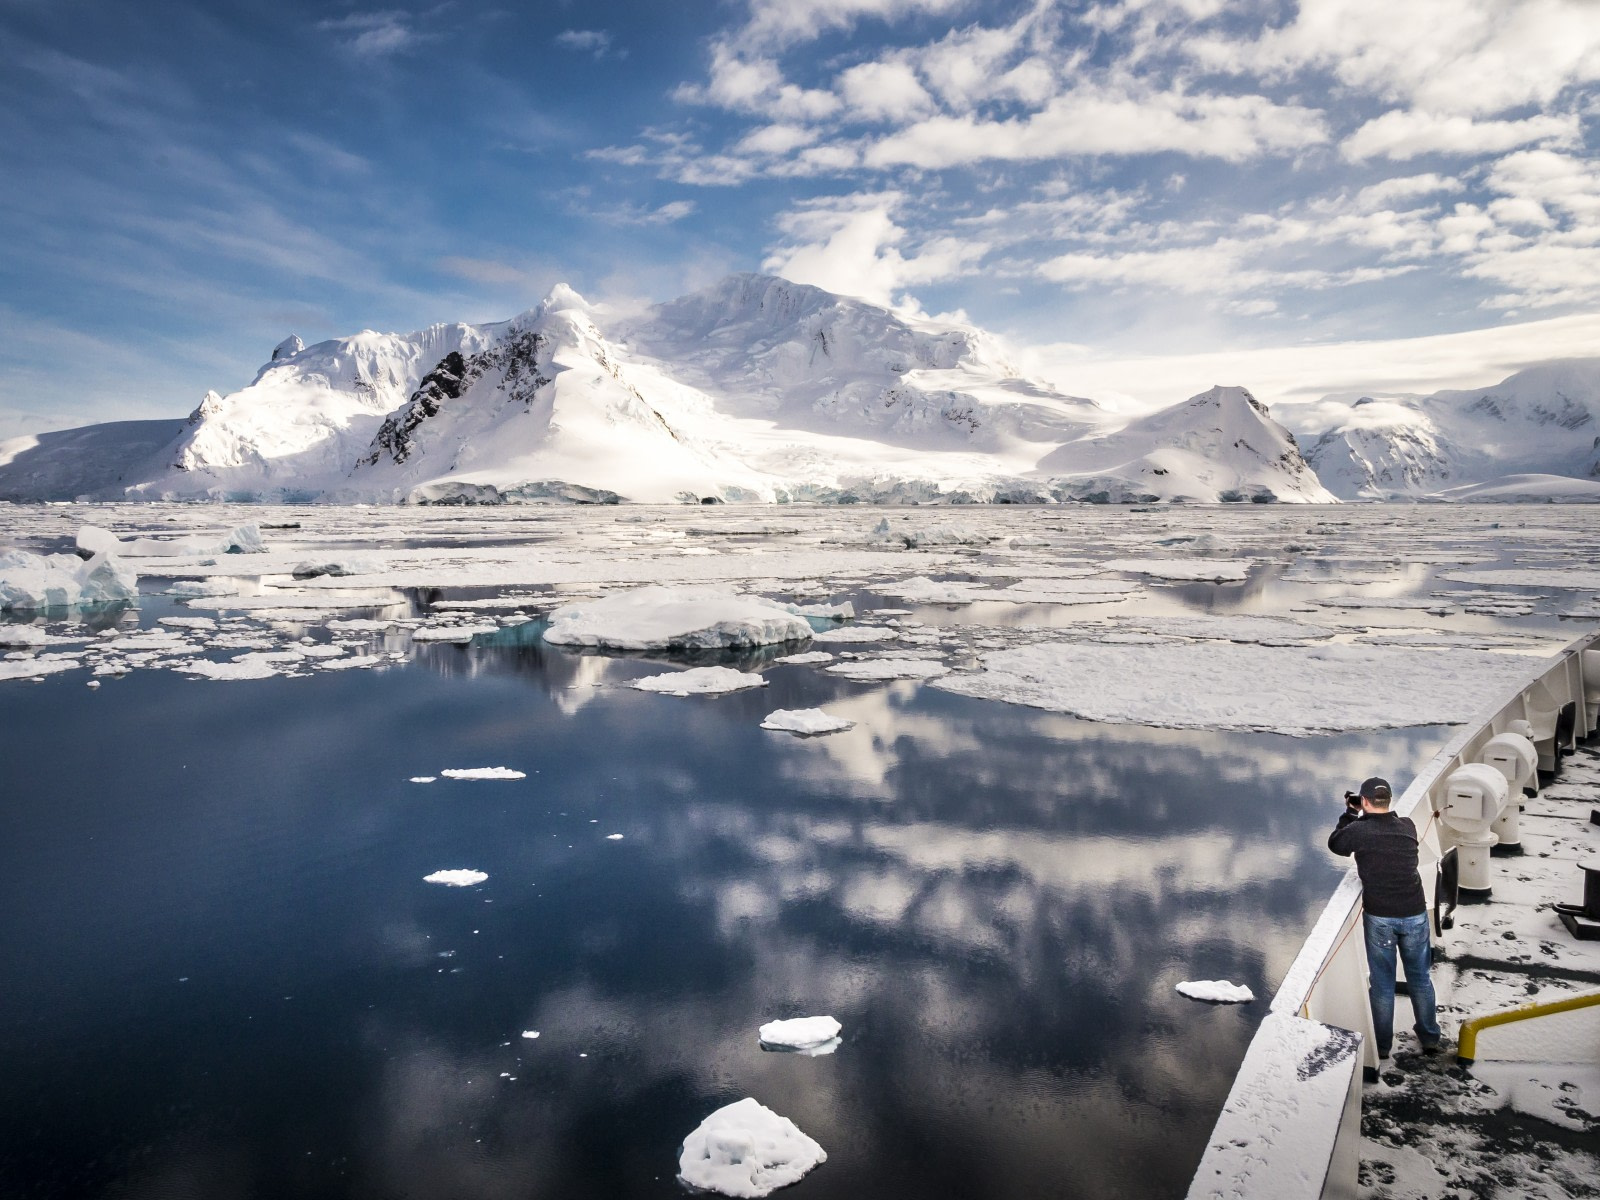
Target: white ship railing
(1291, 1126)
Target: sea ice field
(327, 874)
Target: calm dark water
(224, 976)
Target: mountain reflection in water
(233, 981)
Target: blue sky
(1130, 191)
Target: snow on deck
(1433, 1129)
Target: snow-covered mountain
(1542, 420)
(755, 389)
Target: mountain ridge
(754, 389)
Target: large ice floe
(745, 1149)
(29, 582)
(658, 617)
(1300, 691)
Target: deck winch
(1474, 797)
(1512, 754)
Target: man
(1395, 910)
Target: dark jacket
(1385, 847)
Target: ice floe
(1217, 685)
(1196, 570)
(878, 669)
(1217, 991)
(746, 1150)
(807, 721)
(29, 582)
(248, 666)
(23, 635)
(661, 617)
(530, 1034)
(699, 681)
(919, 589)
(799, 1033)
(805, 657)
(855, 633)
(423, 779)
(451, 633)
(456, 877)
(483, 773)
(36, 668)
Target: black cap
(1375, 789)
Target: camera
(1351, 800)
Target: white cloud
(775, 139)
(1444, 56)
(850, 245)
(1109, 121)
(1387, 192)
(742, 83)
(585, 41)
(1409, 134)
(889, 91)
(375, 34)
(785, 22)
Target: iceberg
(657, 617)
(699, 681)
(806, 721)
(35, 581)
(745, 1149)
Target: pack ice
(657, 617)
(745, 1149)
(36, 581)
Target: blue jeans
(1410, 936)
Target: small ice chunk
(745, 1149)
(530, 1034)
(1218, 991)
(613, 837)
(482, 773)
(699, 681)
(423, 778)
(808, 721)
(799, 1033)
(456, 878)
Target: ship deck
(1432, 1127)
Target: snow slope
(1542, 420)
(1219, 445)
(755, 389)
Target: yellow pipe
(1467, 1041)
